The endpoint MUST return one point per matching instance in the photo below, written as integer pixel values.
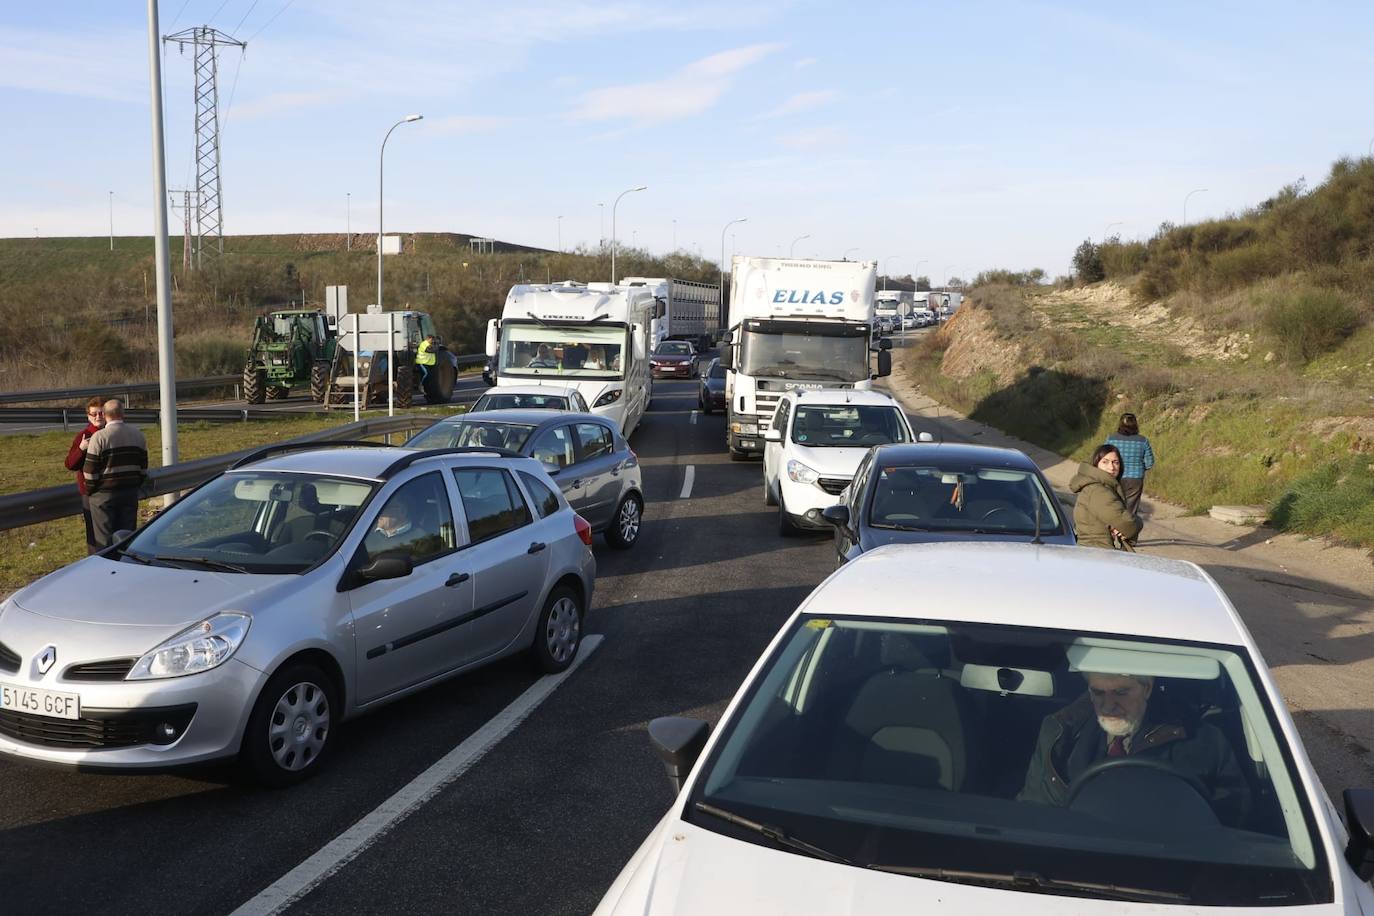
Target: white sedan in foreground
(1082, 731)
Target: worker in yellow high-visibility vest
(424, 357)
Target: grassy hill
(78, 313)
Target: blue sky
(956, 136)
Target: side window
(416, 521)
(491, 502)
(594, 440)
(581, 403)
(860, 482)
(554, 447)
(545, 500)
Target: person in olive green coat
(1100, 514)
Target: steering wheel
(328, 537)
(991, 512)
(1108, 764)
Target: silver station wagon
(286, 595)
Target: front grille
(111, 669)
(9, 660)
(766, 405)
(97, 729)
(833, 485)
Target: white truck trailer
(794, 324)
(893, 304)
(686, 310)
(591, 336)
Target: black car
(711, 396)
(931, 492)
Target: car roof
(528, 416)
(559, 390)
(343, 461)
(842, 396)
(1049, 586)
(952, 452)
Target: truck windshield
(803, 355)
(580, 351)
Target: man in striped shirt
(116, 465)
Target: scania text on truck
(794, 324)
(590, 336)
(686, 310)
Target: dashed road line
(694, 418)
(348, 845)
(687, 482)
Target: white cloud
(691, 91)
(804, 63)
(803, 101)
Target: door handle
(456, 579)
(576, 484)
(536, 547)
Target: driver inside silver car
(1122, 721)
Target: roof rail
(284, 447)
(405, 461)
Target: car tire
(768, 498)
(290, 732)
(558, 631)
(785, 526)
(738, 456)
(626, 523)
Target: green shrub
(1336, 498)
(203, 356)
(1087, 263)
(1243, 266)
(1122, 259)
(1308, 322)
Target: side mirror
(885, 343)
(493, 334)
(925, 437)
(387, 568)
(122, 535)
(727, 338)
(1359, 821)
(772, 435)
(678, 741)
(836, 515)
(884, 362)
(727, 356)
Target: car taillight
(583, 528)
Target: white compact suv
(815, 444)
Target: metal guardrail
(115, 389)
(76, 416)
(49, 503)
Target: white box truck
(794, 324)
(893, 305)
(686, 310)
(590, 336)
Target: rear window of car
(545, 500)
(674, 348)
(481, 433)
(518, 401)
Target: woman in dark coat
(1100, 514)
(76, 457)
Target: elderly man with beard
(1116, 719)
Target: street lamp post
(1108, 231)
(793, 246)
(560, 233)
(885, 260)
(847, 251)
(381, 173)
(1185, 202)
(348, 221)
(642, 187)
(742, 219)
(112, 220)
(601, 226)
(675, 235)
(945, 284)
(166, 355)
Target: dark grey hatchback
(931, 492)
(584, 453)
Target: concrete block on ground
(1240, 515)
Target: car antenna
(1036, 539)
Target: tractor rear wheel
(277, 392)
(438, 384)
(254, 384)
(319, 380)
(405, 384)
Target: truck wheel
(277, 392)
(319, 380)
(405, 385)
(738, 456)
(254, 384)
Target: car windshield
(473, 433)
(584, 351)
(964, 498)
(804, 356)
(1036, 760)
(253, 522)
(847, 426)
(502, 401)
(673, 348)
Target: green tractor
(290, 349)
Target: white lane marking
(687, 482)
(348, 845)
(694, 416)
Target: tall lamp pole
(642, 187)
(560, 233)
(381, 159)
(847, 251)
(166, 361)
(793, 246)
(885, 260)
(1185, 202)
(112, 220)
(742, 219)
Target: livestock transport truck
(686, 310)
(590, 336)
(795, 324)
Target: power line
(177, 17)
(217, 12)
(284, 8)
(246, 15)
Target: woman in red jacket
(76, 456)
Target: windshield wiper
(1030, 880)
(777, 835)
(203, 561)
(138, 557)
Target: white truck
(894, 305)
(794, 324)
(686, 310)
(590, 336)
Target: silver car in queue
(584, 453)
(285, 596)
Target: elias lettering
(806, 297)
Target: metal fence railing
(49, 503)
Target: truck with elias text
(795, 324)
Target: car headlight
(608, 397)
(800, 473)
(206, 645)
(745, 429)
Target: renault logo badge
(46, 659)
